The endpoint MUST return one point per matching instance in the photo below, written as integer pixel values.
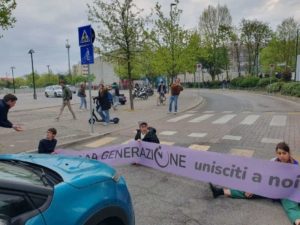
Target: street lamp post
(48, 66)
(31, 51)
(172, 40)
(68, 46)
(238, 58)
(297, 37)
(12, 74)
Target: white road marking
(199, 147)
(224, 119)
(167, 143)
(201, 118)
(208, 111)
(197, 134)
(270, 140)
(230, 137)
(242, 152)
(278, 121)
(227, 111)
(168, 133)
(249, 120)
(176, 119)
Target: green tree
(120, 31)
(169, 41)
(212, 24)
(255, 35)
(6, 18)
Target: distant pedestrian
(145, 133)
(115, 94)
(82, 95)
(47, 145)
(66, 97)
(7, 103)
(176, 88)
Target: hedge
(275, 87)
(267, 81)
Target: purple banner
(266, 178)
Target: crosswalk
(197, 136)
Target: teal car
(37, 189)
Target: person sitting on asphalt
(47, 145)
(6, 104)
(145, 133)
(291, 208)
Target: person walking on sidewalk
(104, 102)
(7, 103)
(176, 88)
(82, 95)
(115, 94)
(291, 208)
(66, 97)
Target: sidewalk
(36, 121)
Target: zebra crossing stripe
(201, 118)
(208, 111)
(199, 147)
(168, 133)
(249, 120)
(176, 119)
(167, 143)
(224, 119)
(270, 140)
(278, 121)
(197, 134)
(230, 137)
(242, 152)
(126, 142)
(101, 142)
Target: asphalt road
(237, 123)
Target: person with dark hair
(82, 95)
(47, 145)
(291, 208)
(6, 104)
(67, 97)
(176, 88)
(104, 104)
(145, 133)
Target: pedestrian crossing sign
(85, 35)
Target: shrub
(287, 88)
(266, 81)
(249, 81)
(275, 87)
(236, 82)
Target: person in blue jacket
(6, 104)
(291, 208)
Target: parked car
(122, 99)
(72, 88)
(40, 189)
(53, 91)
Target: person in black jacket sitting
(47, 145)
(145, 133)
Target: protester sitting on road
(47, 145)
(291, 208)
(145, 133)
(7, 103)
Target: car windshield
(12, 172)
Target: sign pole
(91, 104)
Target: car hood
(76, 171)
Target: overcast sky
(45, 25)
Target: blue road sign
(85, 35)
(87, 54)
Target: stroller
(95, 118)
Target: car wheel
(55, 95)
(46, 94)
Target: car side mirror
(5, 220)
